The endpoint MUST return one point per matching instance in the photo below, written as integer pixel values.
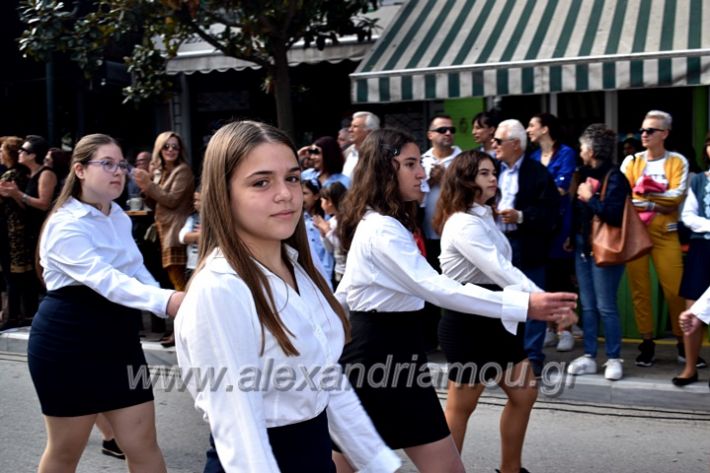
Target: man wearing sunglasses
(658, 178)
(435, 161)
(527, 213)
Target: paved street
(564, 436)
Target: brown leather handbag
(618, 245)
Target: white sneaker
(577, 332)
(550, 338)
(614, 370)
(566, 342)
(582, 365)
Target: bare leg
(516, 414)
(342, 465)
(436, 457)
(460, 403)
(66, 439)
(134, 427)
(692, 343)
(104, 427)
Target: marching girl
(257, 306)
(84, 342)
(480, 349)
(385, 284)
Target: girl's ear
(79, 170)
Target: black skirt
(696, 272)
(478, 348)
(85, 356)
(297, 448)
(387, 365)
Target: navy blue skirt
(298, 448)
(85, 356)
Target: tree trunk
(282, 91)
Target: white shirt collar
(515, 167)
(79, 209)
(219, 264)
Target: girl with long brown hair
(96, 285)
(258, 307)
(385, 285)
(478, 349)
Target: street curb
(629, 391)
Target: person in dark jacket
(598, 285)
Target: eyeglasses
(24, 150)
(500, 141)
(649, 131)
(313, 151)
(111, 166)
(443, 129)
(168, 146)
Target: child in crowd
(190, 235)
(312, 209)
(330, 200)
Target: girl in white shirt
(260, 318)
(385, 284)
(85, 334)
(479, 349)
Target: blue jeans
(598, 287)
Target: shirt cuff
(385, 461)
(515, 307)
(701, 310)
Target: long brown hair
(229, 146)
(83, 153)
(375, 184)
(458, 187)
(157, 157)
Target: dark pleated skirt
(478, 348)
(387, 365)
(84, 354)
(298, 448)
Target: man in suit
(527, 213)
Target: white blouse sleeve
(216, 331)
(74, 254)
(690, 215)
(353, 431)
(398, 256)
(473, 242)
(701, 307)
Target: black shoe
(648, 352)
(111, 448)
(699, 363)
(10, 323)
(522, 470)
(680, 382)
(168, 342)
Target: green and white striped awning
(439, 49)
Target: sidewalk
(640, 387)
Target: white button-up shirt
(701, 307)
(509, 186)
(82, 246)
(474, 250)
(385, 271)
(432, 196)
(217, 328)
(351, 158)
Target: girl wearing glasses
(169, 192)
(256, 300)
(327, 161)
(385, 285)
(96, 285)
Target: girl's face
(410, 173)
(486, 180)
(483, 134)
(171, 150)
(327, 206)
(197, 201)
(316, 155)
(535, 130)
(585, 152)
(309, 199)
(266, 196)
(99, 185)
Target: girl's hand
(689, 323)
(174, 303)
